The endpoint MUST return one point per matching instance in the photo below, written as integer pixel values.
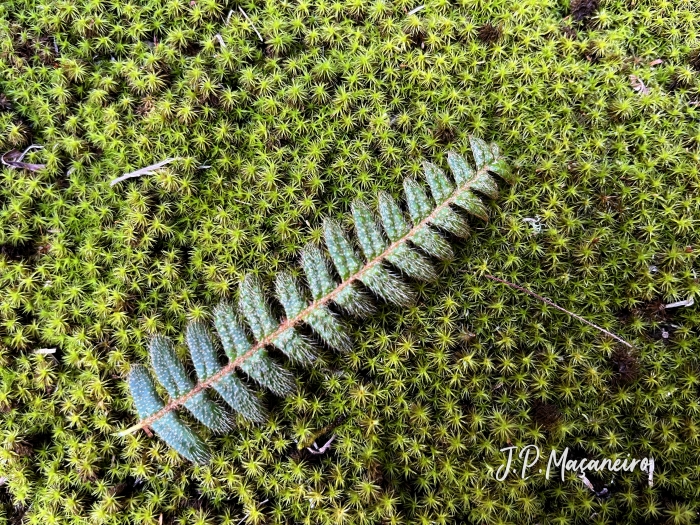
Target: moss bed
(596, 106)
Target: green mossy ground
(342, 100)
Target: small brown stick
(220, 39)
(550, 303)
(308, 442)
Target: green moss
(344, 100)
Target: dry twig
(550, 303)
(143, 171)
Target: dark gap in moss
(5, 103)
(40, 440)
(36, 49)
(191, 50)
(22, 449)
(417, 40)
(274, 404)
(364, 375)
(625, 366)
(22, 251)
(668, 498)
(664, 332)
(158, 248)
(9, 510)
(591, 53)
(583, 10)
(576, 452)
(126, 488)
(377, 474)
(547, 415)
(569, 32)
(603, 484)
(675, 83)
(654, 310)
(197, 502)
(186, 256)
(550, 504)
(359, 18)
(444, 135)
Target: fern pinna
(388, 243)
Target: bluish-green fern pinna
(383, 247)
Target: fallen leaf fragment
(13, 159)
(687, 302)
(638, 85)
(143, 171)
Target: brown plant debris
(582, 10)
(489, 33)
(14, 159)
(625, 366)
(694, 59)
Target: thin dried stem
(550, 303)
(414, 11)
(251, 23)
(144, 171)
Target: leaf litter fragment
(638, 85)
(144, 171)
(13, 159)
(687, 302)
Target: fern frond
(350, 297)
(321, 320)
(391, 244)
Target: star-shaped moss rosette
(401, 243)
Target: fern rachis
(425, 213)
